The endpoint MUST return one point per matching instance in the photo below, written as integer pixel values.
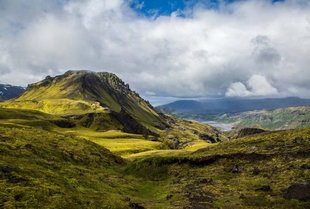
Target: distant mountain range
(8, 92)
(230, 105)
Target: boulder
(136, 206)
(205, 181)
(169, 196)
(305, 166)
(236, 169)
(256, 171)
(299, 191)
(265, 188)
(298, 140)
(7, 168)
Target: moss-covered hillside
(77, 92)
(84, 140)
(45, 169)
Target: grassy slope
(68, 171)
(274, 154)
(83, 92)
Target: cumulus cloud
(257, 86)
(246, 48)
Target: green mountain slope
(100, 102)
(78, 92)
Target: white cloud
(238, 89)
(248, 48)
(257, 85)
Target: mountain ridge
(226, 105)
(101, 101)
(8, 91)
(89, 92)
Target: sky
(165, 49)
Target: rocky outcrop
(299, 191)
(249, 131)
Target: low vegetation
(101, 157)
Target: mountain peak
(96, 90)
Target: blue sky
(157, 8)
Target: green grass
(56, 167)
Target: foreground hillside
(43, 169)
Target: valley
(85, 140)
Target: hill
(9, 92)
(101, 102)
(48, 169)
(229, 105)
(78, 92)
(275, 119)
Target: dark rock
(249, 131)
(291, 167)
(208, 138)
(267, 175)
(298, 140)
(305, 166)
(236, 169)
(169, 196)
(205, 181)
(28, 146)
(264, 188)
(18, 197)
(269, 145)
(15, 180)
(7, 169)
(135, 206)
(4, 139)
(298, 190)
(256, 171)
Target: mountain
(8, 92)
(77, 92)
(101, 101)
(274, 119)
(227, 105)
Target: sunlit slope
(78, 92)
(251, 172)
